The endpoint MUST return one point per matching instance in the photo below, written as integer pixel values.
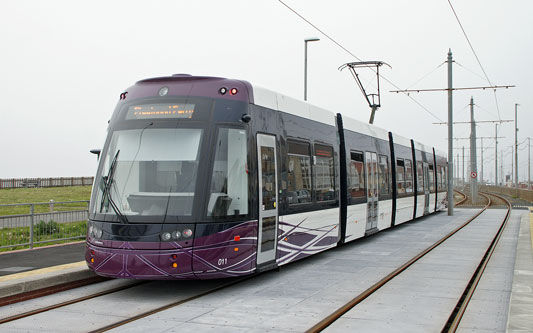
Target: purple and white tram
(205, 177)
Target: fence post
(32, 210)
(51, 205)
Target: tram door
(426, 188)
(268, 198)
(372, 190)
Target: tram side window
(383, 174)
(420, 177)
(400, 176)
(299, 173)
(431, 179)
(408, 176)
(324, 173)
(356, 175)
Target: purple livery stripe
(208, 257)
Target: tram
(206, 177)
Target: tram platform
(302, 293)
(28, 270)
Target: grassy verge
(45, 194)
(46, 232)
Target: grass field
(44, 233)
(45, 194)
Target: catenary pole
(502, 178)
(457, 172)
(515, 147)
(450, 135)
(481, 174)
(463, 166)
(495, 154)
(473, 155)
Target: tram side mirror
(246, 118)
(96, 152)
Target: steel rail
(455, 318)
(460, 202)
(324, 323)
(171, 305)
(24, 296)
(73, 301)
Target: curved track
(450, 326)
(457, 314)
(455, 317)
(460, 202)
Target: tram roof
(209, 86)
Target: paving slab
(303, 293)
(422, 297)
(521, 308)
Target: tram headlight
(187, 233)
(165, 236)
(176, 234)
(90, 230)
(98, 232)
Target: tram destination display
(156, 111)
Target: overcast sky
(64, 64)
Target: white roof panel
(276, 101)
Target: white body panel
(404, 209)
(385, 214)
(431, 203)
(315, 226)
(420, 205)
(355, 221)
(363, 128)
(400, 140)
(441, 199)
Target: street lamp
(314, 39)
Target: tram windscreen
(154, 174)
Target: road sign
(473, 174)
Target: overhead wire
(356, 57)
(475, 55)
(428, 74)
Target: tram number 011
(222, 261)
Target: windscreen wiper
(108, 183)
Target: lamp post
(314, 39)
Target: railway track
(460, 202)
(220, 285)
(457, 313)
(455, 318)
(69, 302)
(451, 325)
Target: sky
(63, 65)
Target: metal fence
(24, 225)
(45, 182)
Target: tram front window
(229, 181)
(149, 172)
